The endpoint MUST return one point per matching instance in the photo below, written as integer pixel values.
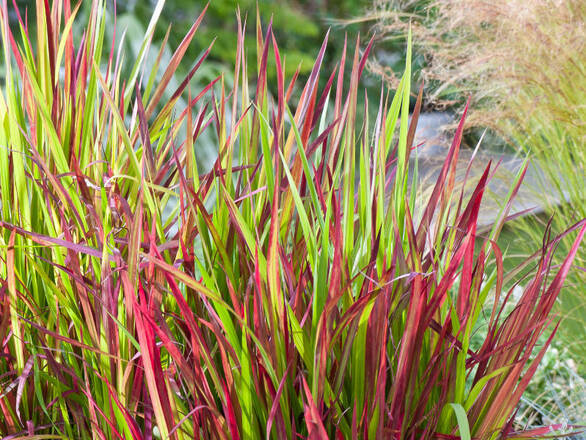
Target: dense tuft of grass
(523, 63)
(270, 296)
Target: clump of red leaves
(278, 298)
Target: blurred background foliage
(299, 28)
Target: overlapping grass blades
(522, 61)
(279, 298)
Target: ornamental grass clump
(269, 296)
(523, 64)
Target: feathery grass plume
(278, 298)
